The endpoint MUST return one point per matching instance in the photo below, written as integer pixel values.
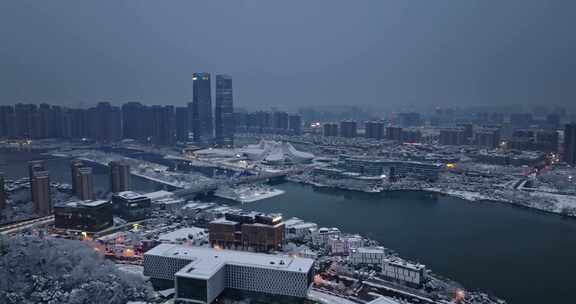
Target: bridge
(212, 186)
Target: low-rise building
(367, 256)
(200, 274)
(404, 272)
(320, 236)
(300, 230)
(344, 245)
(84, 216)
(131, 206)
(392, 169)
(171, 204)
(258, 233)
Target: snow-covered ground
(466, 195)
(316, 295)
(248, 194)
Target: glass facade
(193, 289)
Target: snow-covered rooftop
(276, 152)
(158, 194)
(383, 300)
(87, 203)
(182, 234)
(129, 195)
(205, 262)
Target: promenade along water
(523, 256)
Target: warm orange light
(318, 280)
(450, 166)
(128, 253)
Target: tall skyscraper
(295, 124)
(488, 138)
(40, 188)
(182, 124)
(105, 122)
(75, 164)
(452, 137)
(280, 122)
(224, 111)
(240, 122)
(134, 121)
(86, 185)
(163, 125)
(2, 193)
(25, 120)
(394, 133)
(120, 178)
(7, 122)
(202, 124)
(570, 144)
(374, 129)
(82, 185)
(79, 123)
(35, 165)
(46, 124)
(330, 129)
(264, 121)
(348, 129)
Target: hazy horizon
(381, 54)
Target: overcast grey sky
(290, 53)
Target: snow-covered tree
(48, 270)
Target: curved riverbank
(548, 203)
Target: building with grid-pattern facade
(200, 274)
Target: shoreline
(471, 197)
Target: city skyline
(396, 53)
(329, 151)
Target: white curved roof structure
(274, 152)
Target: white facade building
(320, 236)
(201, 274)
(367, 256)
(298, 229)
(402, 271)
(344, 244)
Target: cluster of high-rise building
(275, 122)
(157, 124)
(82, 186)
(525, 138)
